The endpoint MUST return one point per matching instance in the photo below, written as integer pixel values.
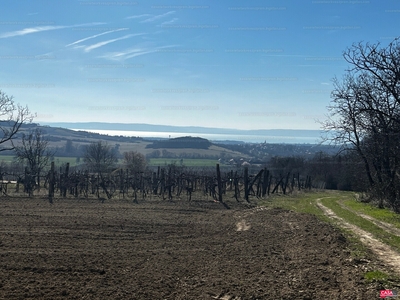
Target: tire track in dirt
(242, 223)
(384, 252)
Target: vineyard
(166, 183)
(174, 233)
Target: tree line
(364, 117)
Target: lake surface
(212, 137)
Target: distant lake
(212, 137)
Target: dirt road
(384, 252)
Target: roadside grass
(377, 276)
(384, 215)
(305, 202)
(384, 279)
(357, 248)
(364, 224)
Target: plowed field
(85, 249)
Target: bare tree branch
(34, 152)
(12, 116)
(99, 157)
(364, 114)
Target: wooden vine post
(51, 183)
(65, 180)
(219, 185)
(246, 184)
(265, 182)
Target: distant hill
(69, 142)
(58, 137)
(181, 143)
(55, 134)
(184, 129)
(72, 143)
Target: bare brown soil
(84, 249)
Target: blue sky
(229, 64)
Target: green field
(57, 160)
(153, 162)
(6, 158)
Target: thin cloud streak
(138, 16)
(130, 53)
(125, 54)
(26, 31)
(155, 18)
(170, 22)
(101, 44)
(94, 36)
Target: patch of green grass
(364, 224)
(155, 162)
(377, 276)
(303, 202)
(58, 161)
(384, 215)
(63, 160)
(6, 158)
(357, 249)
(188, 162)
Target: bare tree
(99, 157)
(135, 161)
(12, 116)
(34, 153)
(365, 115)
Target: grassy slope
(306, 203)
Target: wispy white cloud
(138, 16)
(101, 44)
(96, 35)
(155, 18)
(42, 28)
(30, 30)
(122, 55)
(170, 22)
(133, 52)
(138, 53)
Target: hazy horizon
(116, 125)
(209, 136)
(291, 136)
